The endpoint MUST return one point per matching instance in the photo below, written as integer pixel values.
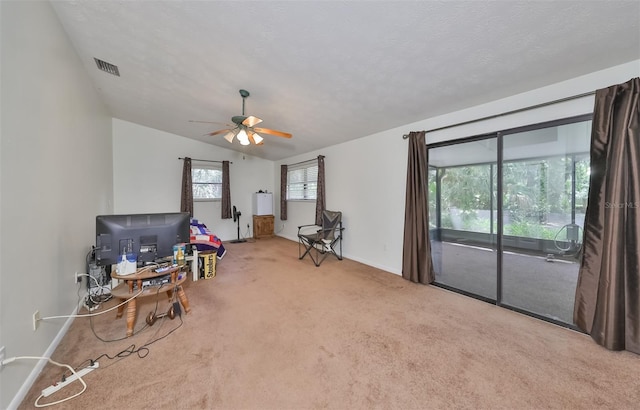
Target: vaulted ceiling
(332, 71)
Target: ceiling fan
(245, 129)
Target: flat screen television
(148, 236)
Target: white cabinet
(262, 203)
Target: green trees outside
(537, 195)
(207, 183)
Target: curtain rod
(205, 160)
(489, 117)
(302, 162)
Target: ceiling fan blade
(211, 134)
(250, 121)
(273, 132)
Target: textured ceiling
(329, 72)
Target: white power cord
(97, 313)
(37, 404)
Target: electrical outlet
(1, 357)
(77, 277)
(36, 320)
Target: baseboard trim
(31, 379)
(374, 265)
(356, 259)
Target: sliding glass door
(544, 186)
(462, 192)
(506, 214)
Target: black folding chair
(320, 241)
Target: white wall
(366, 178)
(147, 176)
(55, 140)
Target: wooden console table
(263, 226)
(132, 284)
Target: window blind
(302, 181)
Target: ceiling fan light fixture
(243, 137)
(244, 128)
(229, 136)
(258, 139)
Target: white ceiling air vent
(107, 67)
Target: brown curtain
(226, 191)
(416, 250)
(320, 198)
(186, 196)
(283, 192)
(607, 302)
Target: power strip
(55, 387)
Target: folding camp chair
(320, 241)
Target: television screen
(148, 236)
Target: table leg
(120, 309)
(183, 299)
(131, 316)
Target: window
(302, 181)
(206, 182)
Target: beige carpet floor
(273, 332)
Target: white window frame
(306, 184)
(194, 184)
